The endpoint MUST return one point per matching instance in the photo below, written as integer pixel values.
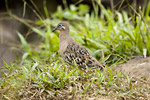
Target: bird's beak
(54, 29)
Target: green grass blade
(24, 43)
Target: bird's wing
(76, 52)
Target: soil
(138, 67)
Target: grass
(112, 37)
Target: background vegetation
(112, 37)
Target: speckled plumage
(72, 51)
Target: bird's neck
(64, 35)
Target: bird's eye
(60, 25)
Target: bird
(71, 51)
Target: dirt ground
(138, 67)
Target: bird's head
(63, 26)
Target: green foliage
(110, 37)
(24, 43)
(114, 36)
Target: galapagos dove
(72, 51)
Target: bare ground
(138, 67)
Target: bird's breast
(62, 47)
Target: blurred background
(29, 9)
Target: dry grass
(92, 85)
